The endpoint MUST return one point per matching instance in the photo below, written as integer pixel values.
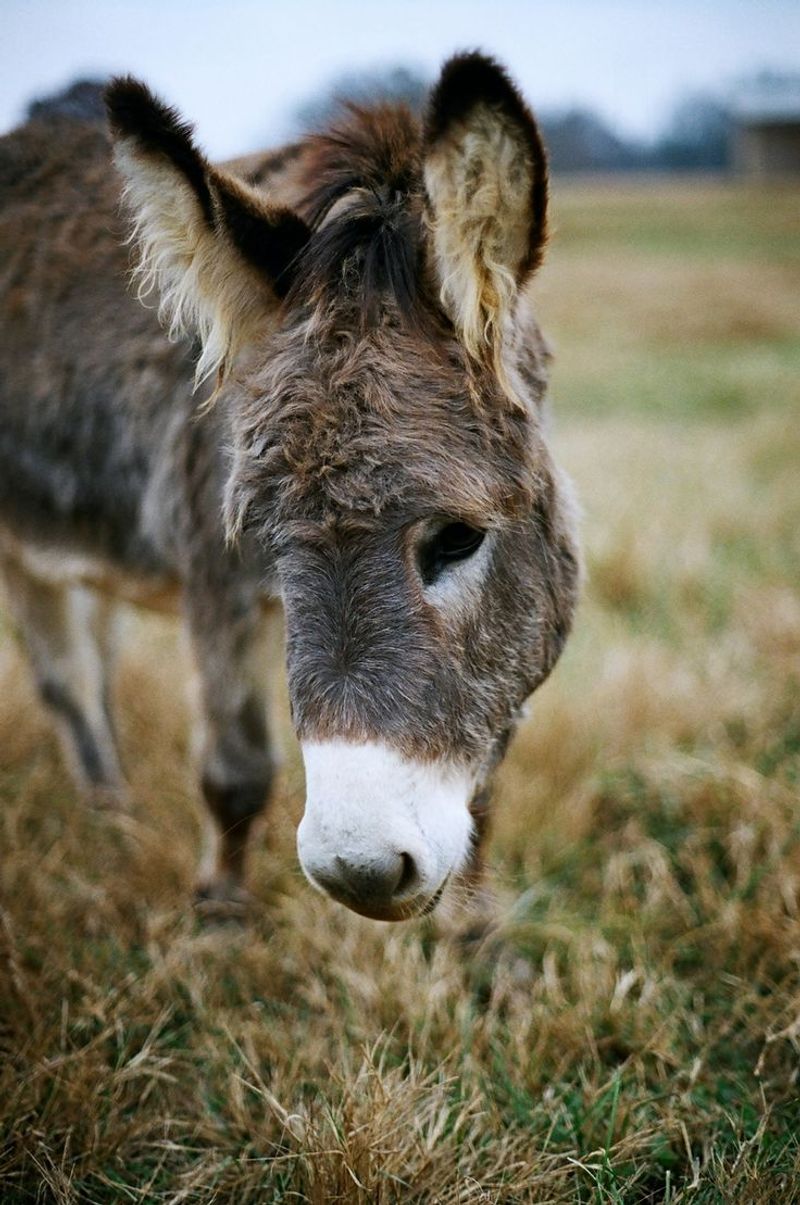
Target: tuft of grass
(632, 1034)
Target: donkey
(349, 419)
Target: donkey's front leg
(236, 760)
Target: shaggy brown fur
(381, 378)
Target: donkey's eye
(452, 543)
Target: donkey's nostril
(409, 876)
(383, 881)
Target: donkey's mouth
(403, 910)
(434, 900)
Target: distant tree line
(696, 137)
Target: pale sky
(238, 68)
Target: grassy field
(634, 1032)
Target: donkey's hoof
(219, 901)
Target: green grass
(631, 1034)
(713, 382)
(702, 220)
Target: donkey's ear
(218, 253)
(486, 185)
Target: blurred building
(766, 130)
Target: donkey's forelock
(363, 202)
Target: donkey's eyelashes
(452, 542)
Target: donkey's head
(385, 376)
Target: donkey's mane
(363, 204)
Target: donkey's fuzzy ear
(218, 253)
(486, 184)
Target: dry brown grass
(634, 1033)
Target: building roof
(768, 97)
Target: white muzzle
(382, 833)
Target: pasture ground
(634, 1035)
